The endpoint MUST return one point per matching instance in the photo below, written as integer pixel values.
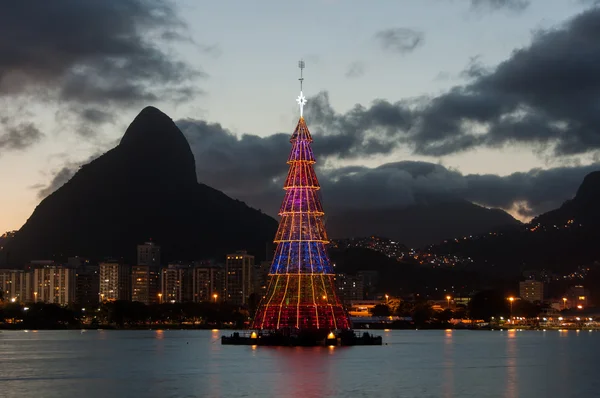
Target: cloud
(403, 183)
(253, 169)
(96, 116)
(532, 192)
(400, 40)
(517, 5)
(89, 51)
(247, 164)
(58, 180)
(88, 60)
(361, 131)
(545, 95)
(17, 136)
(355, 69)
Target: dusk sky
(493, 101)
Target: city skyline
(398, 70)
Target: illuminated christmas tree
(301, 292)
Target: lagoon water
(179, 363)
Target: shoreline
(214, 328)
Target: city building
(261, 278)
(145, 284)
(208, 283)
(349, 287)
(115, 281)
(87, 284)
(531, 290)
(239, 279)
(370, 280)
(362, 308)
(148, 254)
(174, 283)
(53, 284)
(577, 297)
(15, 285)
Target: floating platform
(301, 339)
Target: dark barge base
(301, 339)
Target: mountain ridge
(427, 223)
(558, 241)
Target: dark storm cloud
(246, 164)
(82, 54)
(96, 116)
(400, 40)
(361, 131)
(389, 185)
(540, 190)
(546, 95)
(517, 5)
(404, 183)
(252, 168)
(59, 179)
(17, 136)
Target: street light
(35, 297)
(160, 298)
(448, 298)
(215, 297)
(387, 298)
(511, 299)
(564, 303)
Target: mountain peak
(154, 141)
(590, 187)
(151, 125)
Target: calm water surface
(193, 364)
